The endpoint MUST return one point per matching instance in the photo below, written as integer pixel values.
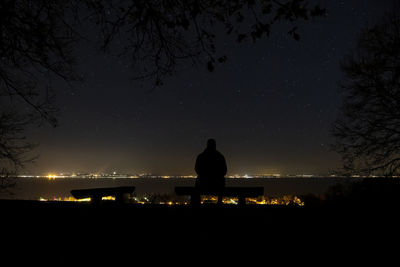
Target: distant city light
(284, 200)
(115, 174)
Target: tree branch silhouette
(160, 35)
(37, 40)
(367, 131)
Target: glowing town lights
(108, 198)
(264, 200)
(83, 200)
(51, 176)
(233, 201)
(66, 199)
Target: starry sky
(269, 107)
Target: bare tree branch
(367, 131)
(37, 38)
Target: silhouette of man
(210, 167)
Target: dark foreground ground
(81, 234)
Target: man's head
(211, 144)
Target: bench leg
(95, 199)
(119, 198)
(195, 200)
(241, 201)
(219, 200)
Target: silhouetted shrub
(368, 192)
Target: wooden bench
(96, 194)
(240, 192)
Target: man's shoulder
(201, 155)
(219, 154)
(206, 154)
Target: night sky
(269, 107)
